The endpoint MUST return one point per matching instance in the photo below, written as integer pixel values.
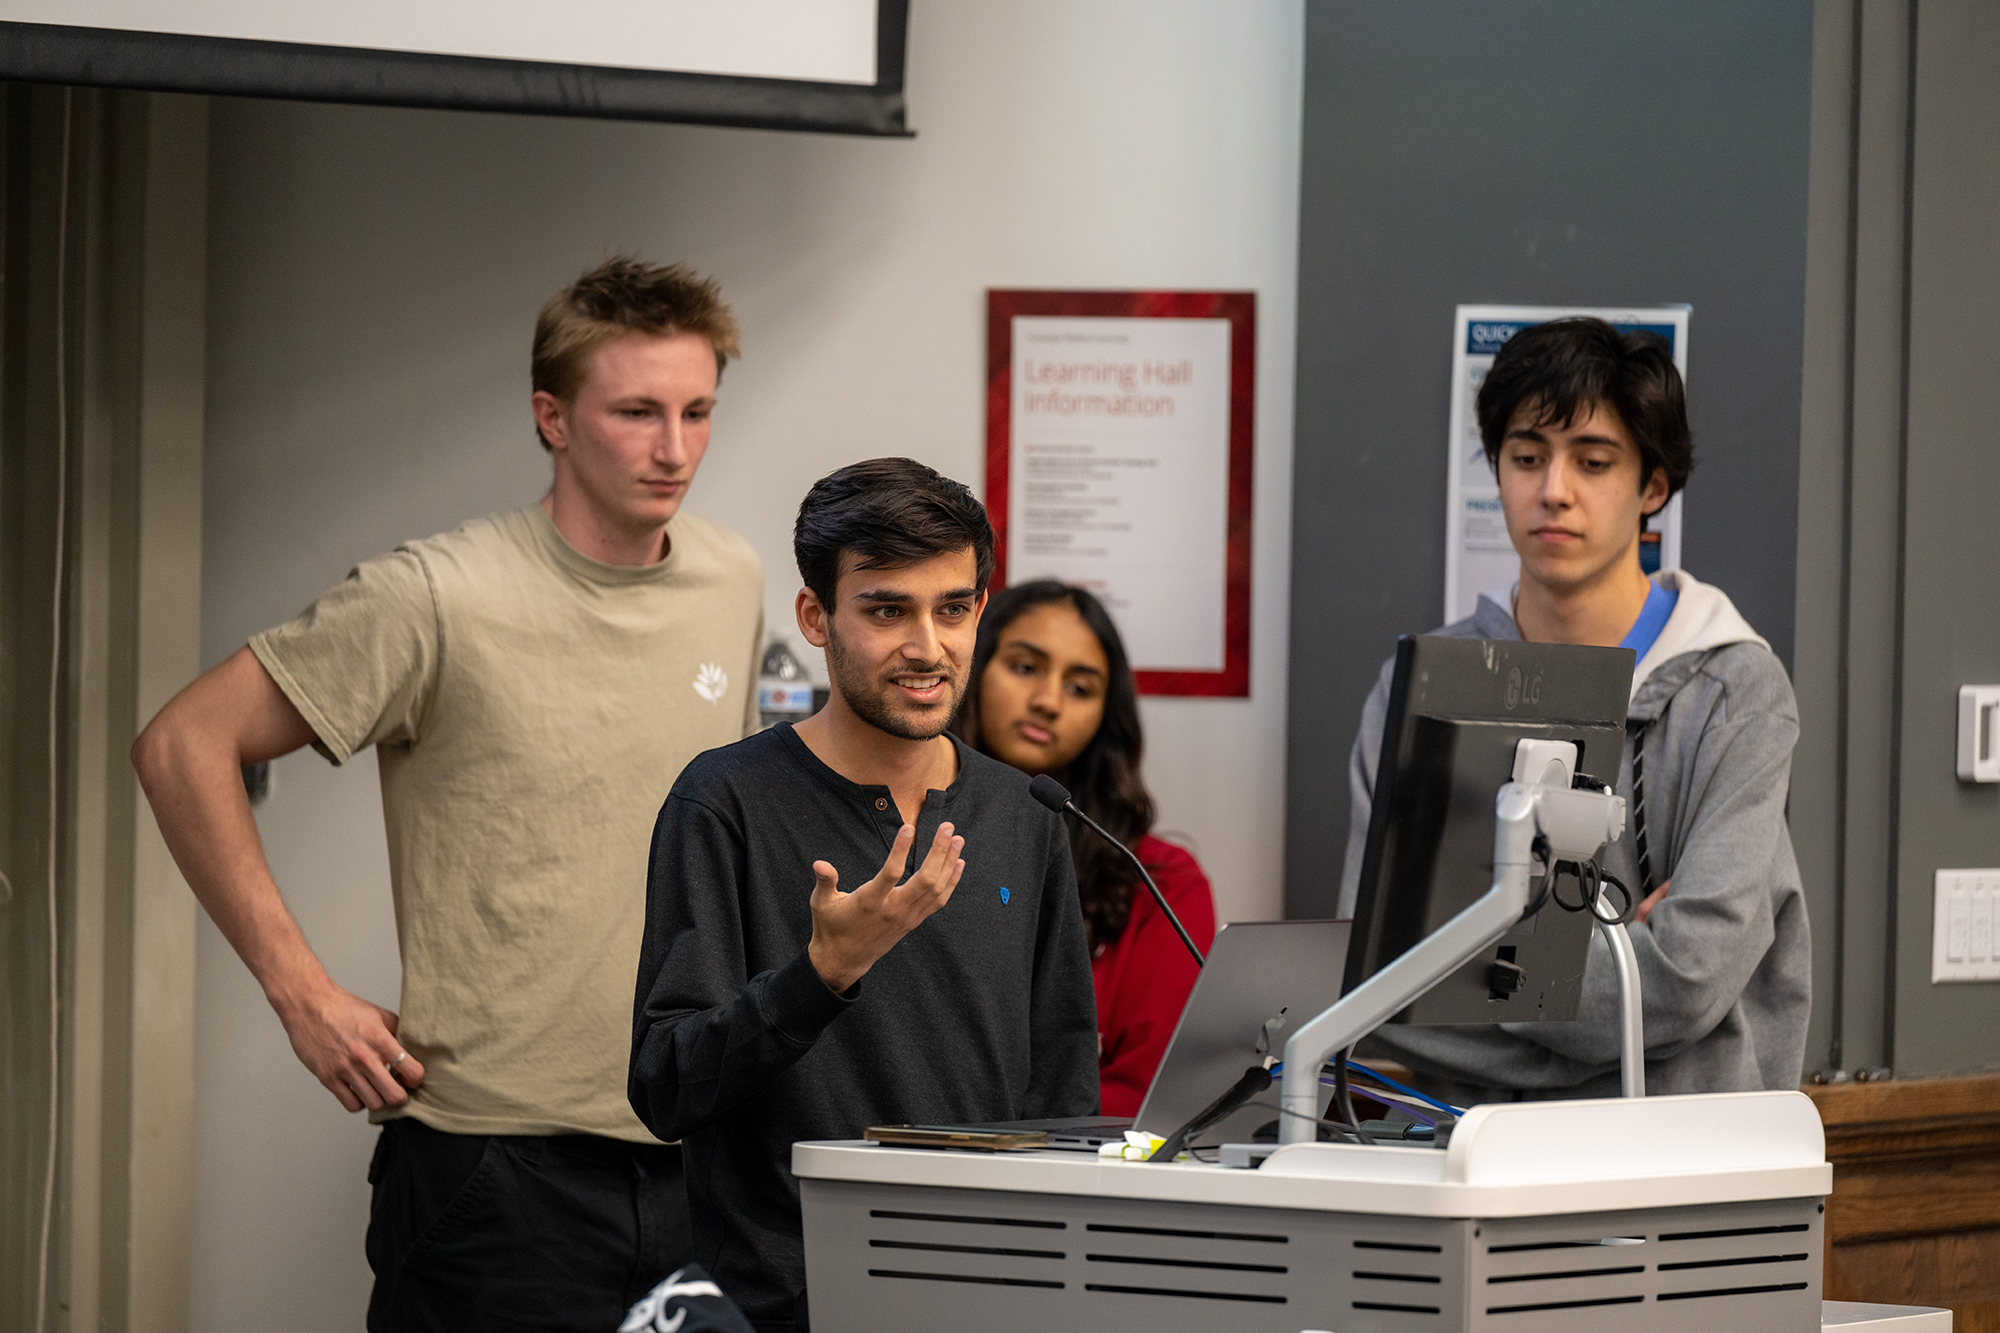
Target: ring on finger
(401, 1055)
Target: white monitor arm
(1576, 825)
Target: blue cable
(1450, 1110)
(1387, 1082)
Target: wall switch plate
(1979, 733)
(1965, 939)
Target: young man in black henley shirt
(754, 1027)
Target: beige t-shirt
(530, 709)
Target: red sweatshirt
(1143, 979)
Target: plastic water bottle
(784, 693)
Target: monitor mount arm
(1575, 825)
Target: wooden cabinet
(1915, 1214)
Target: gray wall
(1572, 153)
(1898, 480)
(1848, 664)
(1950, 572)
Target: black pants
(479, 1234)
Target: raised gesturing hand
(852, 930)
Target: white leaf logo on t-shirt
(711, 682)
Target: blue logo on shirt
(1003, 895)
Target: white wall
(374, 279)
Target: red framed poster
(1118, 457)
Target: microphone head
(1049, 792)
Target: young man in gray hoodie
(1587, 433)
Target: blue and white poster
(1478, 556)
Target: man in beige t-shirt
(532, 683)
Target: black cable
(1333, 1126)
(1591, 880)
(1576, 870)
(1255, 1079)
(1539, 850)
(1631, 900)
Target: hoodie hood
(1704, 619)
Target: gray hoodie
(1725, 959)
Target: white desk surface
(1512, 1159)
(1403, 1181)
(1854, 1316)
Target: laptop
(1263, 979)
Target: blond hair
(622, 295)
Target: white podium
(1663, 1214)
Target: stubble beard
(866, 695)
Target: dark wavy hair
(893, 513)
(1566, 367)
(1104, 779)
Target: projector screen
(829, 65)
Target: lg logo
(1520, 690)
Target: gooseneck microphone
(1056, 797)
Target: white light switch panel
(1965, 939)
(1978, 733)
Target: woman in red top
(1053, 693)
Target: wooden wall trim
(1854, 1104)
(1912, 1158)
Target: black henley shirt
(984, 1012)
